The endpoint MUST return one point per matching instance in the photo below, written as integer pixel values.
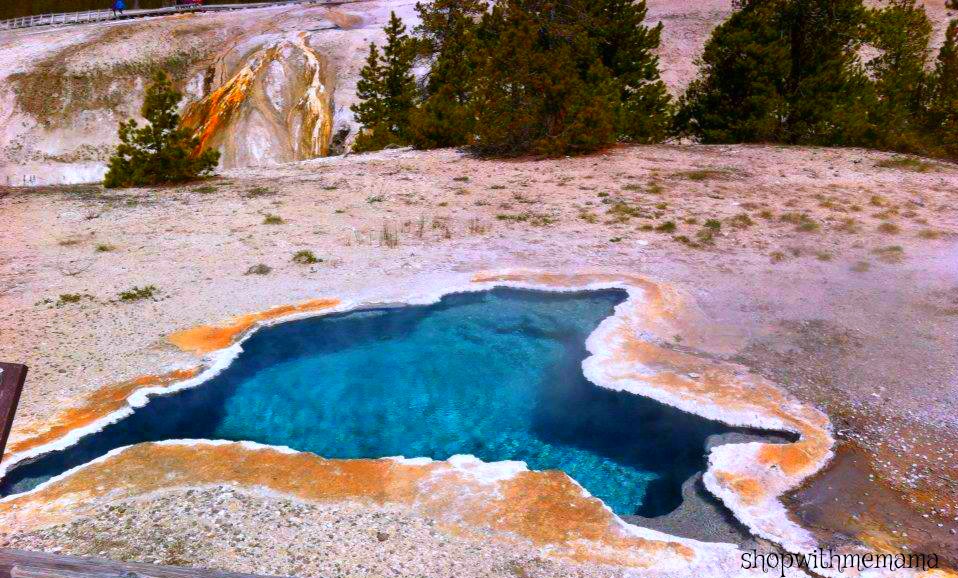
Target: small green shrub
(305, 257)
(259, 191)
(701, 174)
(589, 217)
(104, 248)
(271, 219)
(68, 298)
(666, 227)
(622, 211)
(706, 235)
(802, 222)
(138, 293)
(807, 226)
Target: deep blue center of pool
(496, 374)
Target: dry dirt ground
(840, 267)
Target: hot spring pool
(496, 374)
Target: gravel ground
(222, 527)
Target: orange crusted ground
(208, 338)
(546, 508)
(95, 406)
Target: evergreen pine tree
(370, 111)
(942, 116)
(828, 91)
(440, 21)
(740, 93)
(785, 71)
(536, 90)
(627, 48)
(901, 32)
(161, 151)
(446, 36)
(387, 91)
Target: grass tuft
(306, 257)
(890, 254)
(139, 293)
(889, 228)
(905, 163)
(667, 227)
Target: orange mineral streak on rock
(546, 508)
(96, 405)
(749, 489)
(209, 115)
(276, 105)
(208, 338)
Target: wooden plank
(12, 377)
(23, 564)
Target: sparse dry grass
(889, 228)
(702, 174)
(905, 163)
(890, 254)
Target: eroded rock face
(278, 107)
(263, 86)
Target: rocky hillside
(263, 86)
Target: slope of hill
(264, 86)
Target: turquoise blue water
(496, 374)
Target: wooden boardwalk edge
(22, 564)
(88, 16)
(12, 377)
